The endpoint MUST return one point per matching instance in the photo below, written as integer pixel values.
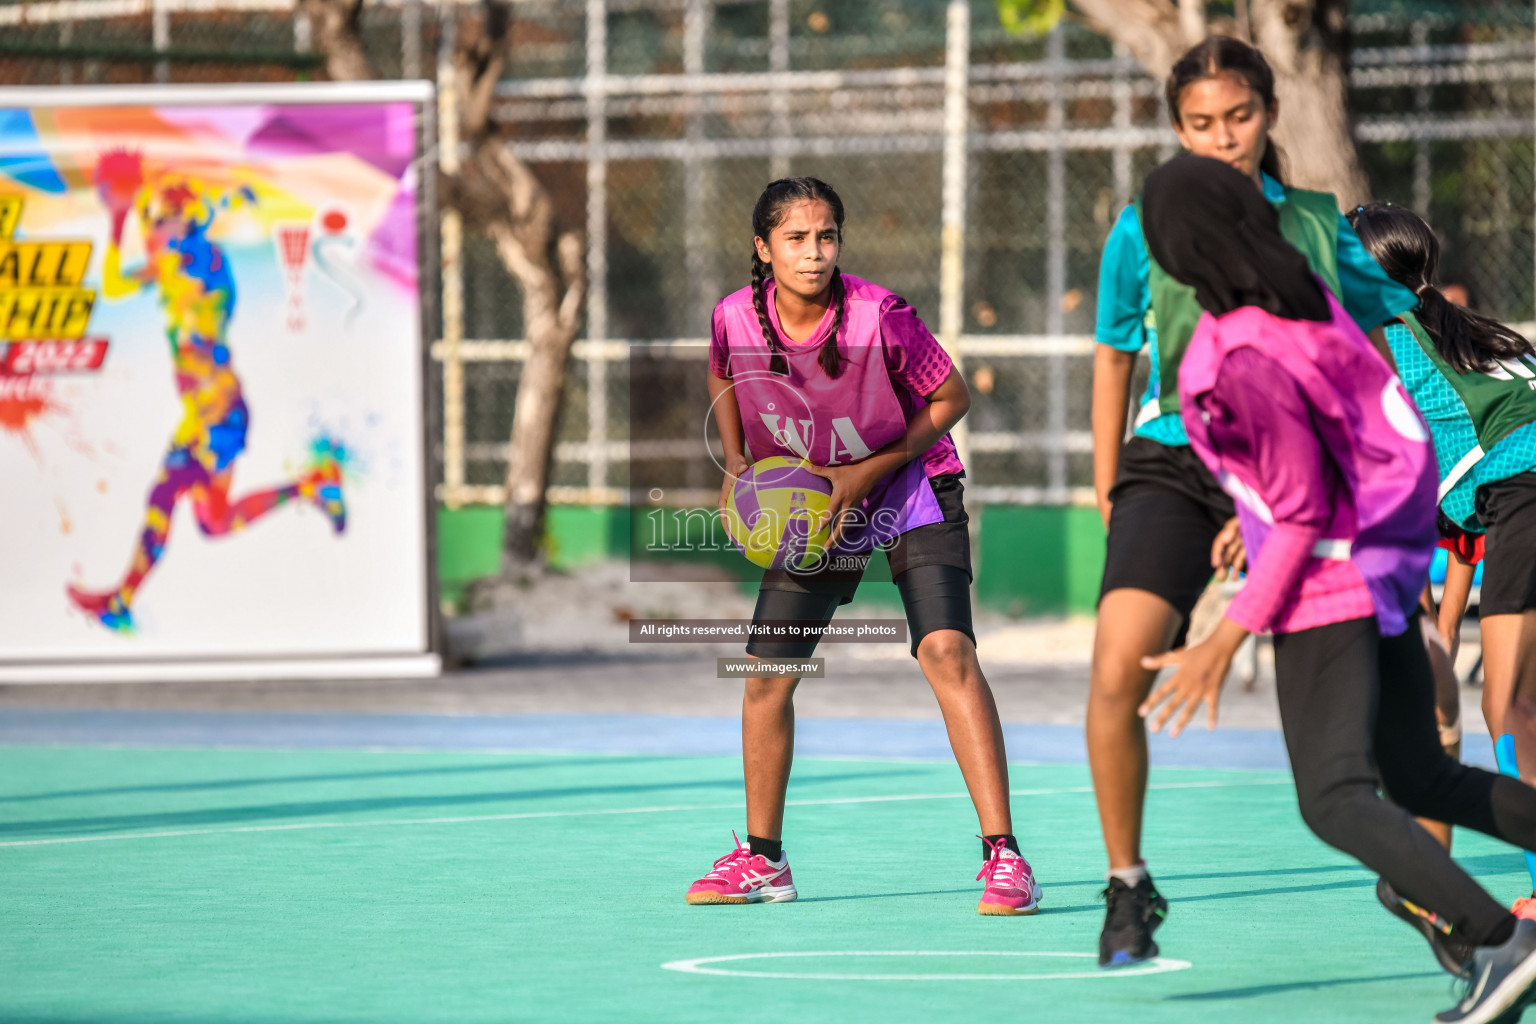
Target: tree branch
(1192, 21)
(335, 27)
(1307, 43)
(1149, 29)
(571, 248)
(479, 60)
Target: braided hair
(767, 215)
(1409, 252)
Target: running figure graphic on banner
(197, 294)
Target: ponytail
(1409, 252)
(1270, 162)
(1468, 341)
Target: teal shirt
(1125, 300)
(1454, 433)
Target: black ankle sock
(988, 842)
(773, 849)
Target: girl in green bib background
(1168, 519)
(1475, 381)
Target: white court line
(304, 826)
(1157, 965)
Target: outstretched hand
(1199, 674)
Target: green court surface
(174, 885)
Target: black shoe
(1499, 981)
(1453, 953)
(1132, 915)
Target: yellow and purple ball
(773, 512)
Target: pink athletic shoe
(744, 877)
(1011, 887)
(1525, 907)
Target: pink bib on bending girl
(835, 421)
(1366, 486)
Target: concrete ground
(1038, 670)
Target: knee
(766, 692)
(210, 523)
(1117, 676)
(947, 654)
(1521, 716)
(1331, 811)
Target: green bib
(1308, 220)
(1497, 402)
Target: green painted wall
(1039, 559)
(1034, 560)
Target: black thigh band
(935, 597)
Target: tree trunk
(1149, 29)
(335, 27)
(498, 192)
(552, 274)
(1308, 46)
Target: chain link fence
(684, 109)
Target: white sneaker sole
(767, 894)
(1512, 992)
(1004, 910)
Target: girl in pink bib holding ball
(841, 375)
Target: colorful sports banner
(211, 382)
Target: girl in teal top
(1168, 519)
(1125, 302)
(1475, 381)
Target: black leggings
(935, 597)
(1358, 711)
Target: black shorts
(1507, 509)
(1167, 509)
(931, 566)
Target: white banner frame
(423, 659)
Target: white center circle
(1050, 969)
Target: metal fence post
(1419, 34)
(957, 72)
(1056, 271)
(597, 243)
(160, 34)
(410, 39)
(1122, 121)
(451, 250)
(696, 178)
(778, 62)
(66, 68)
(303, 32)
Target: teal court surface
(272, 868)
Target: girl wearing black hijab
(1333, 474)
(1167, 521)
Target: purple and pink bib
(889, 361)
